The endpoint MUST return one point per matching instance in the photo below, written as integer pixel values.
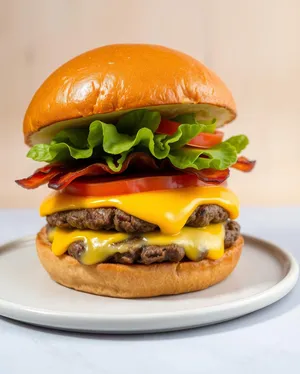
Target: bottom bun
(130, 281)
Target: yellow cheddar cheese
(168, 209)
(99, 245)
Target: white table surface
(267, 341)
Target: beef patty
(155, 253)
(116, 219)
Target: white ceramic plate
(264, 275)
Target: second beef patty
(150, 254)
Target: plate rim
(251, 303)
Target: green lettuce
(219, 157)
(190, 118)
(135, 131)
(133, 121)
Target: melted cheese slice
(99, 245)
(168, 209)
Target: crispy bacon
(59, 176)
(138, 161)
(63, 180)
(243, 164)
(210, 175)
(41, 176)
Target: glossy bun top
(109, 80)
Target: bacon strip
(138, 160)
(59, 176)
(243, 164)
(210, 175)
(41, 176)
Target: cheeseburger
(138, 168)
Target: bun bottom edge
(136, 281)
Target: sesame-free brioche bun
(134, 281)
(106, 82)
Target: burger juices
(138, 169)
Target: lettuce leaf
(104, 139)
(190, 118)
(219, 157)
(239, 142)
(133, 121)
(135, 131)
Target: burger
(138, 169)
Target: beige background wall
(253, 46)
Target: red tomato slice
(207, 140)
(167, 127)
(123, 186)
(203, 140)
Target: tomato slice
(167, 126)
(207, 140)
(111, 186)
(203, 140)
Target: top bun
(107, 81)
